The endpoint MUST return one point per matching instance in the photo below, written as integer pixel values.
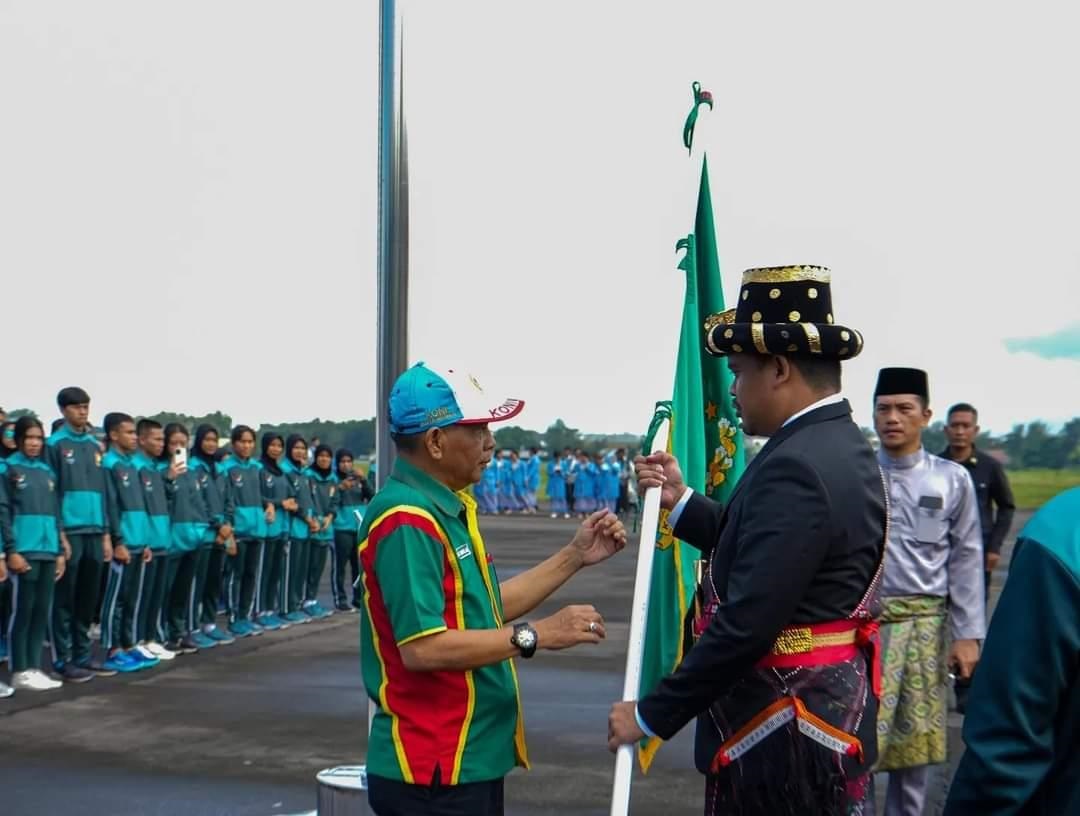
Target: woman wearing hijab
(354, 493)
(324, 491)
(251, 516)
(216, 543)
(301, 525)
(276, 490)
(30, 528)
(189, 522)
(8, 446)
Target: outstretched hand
(600, 536)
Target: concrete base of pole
(342, 791)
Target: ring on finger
(592, 626)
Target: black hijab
(341, 454)
(323, 472)
(268, 462)
(289, 443)
(210, 460)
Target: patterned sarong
(912, 717)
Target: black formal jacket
(992, 488)
(799, 542)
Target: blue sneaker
(219, 635)
(239, 629)
(141, 660)
(268, 621)
(204, 641)
(318, 611)
(280, 621)
(297, 617)
(121, 662)
(254, 628)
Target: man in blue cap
(437, 642)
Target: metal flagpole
(392, 347)
(639, 616)
(343, 790)
(393, 292)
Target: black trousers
(345, 554)
(388, 797)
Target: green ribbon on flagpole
(700, 98)
(662, 412)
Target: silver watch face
(526, 638)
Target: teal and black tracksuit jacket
(157, 502)
(244, 508)
(325, 493)
(349, 502)
(76, 459)
(301, 491)
(275, 490)
(129, 522)
(29, 508)
(212, 488)
(190, 508)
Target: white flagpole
(650, 522)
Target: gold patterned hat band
(783, 310)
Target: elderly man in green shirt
(437, 645)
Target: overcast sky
(188, 196)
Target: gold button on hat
(784, 310)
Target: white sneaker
(159, 651)
(33, 680)
(142, 649)
(42, 681)
(5, 691)
(49, 683)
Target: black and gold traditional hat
(783, 310)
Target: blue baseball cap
(425, 397)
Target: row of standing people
(154, 541)
(577, 484)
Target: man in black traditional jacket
(782, 674)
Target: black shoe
(96, 667)
(343, 607)
(185, 646)
(70, 673)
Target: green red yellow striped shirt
(424, 570)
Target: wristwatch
(524, 638)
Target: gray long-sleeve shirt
(935, 538)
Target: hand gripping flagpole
(650, 523)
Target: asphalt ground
(242, 730)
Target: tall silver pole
(393, 317)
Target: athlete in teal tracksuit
(277, 490)
(30, 532)
(129, 526)
(324, 490)
(208, 582)
(354, 493)
(248, 515)
(301, 525)
(188, 491)
(75, 457)
(161, 570)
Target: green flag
(704, 437)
